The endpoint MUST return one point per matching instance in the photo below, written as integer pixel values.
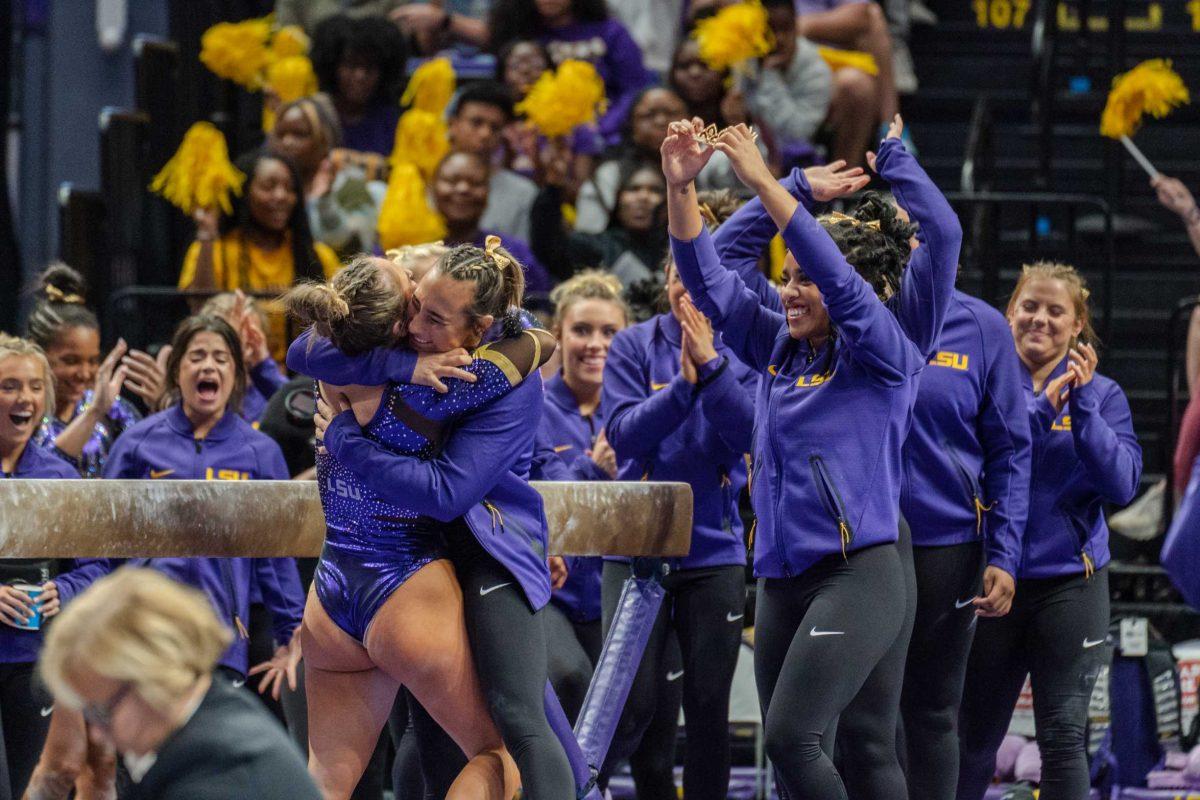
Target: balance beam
(159, 519)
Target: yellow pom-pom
(855, 59)
(290, 40)
(288, 79)
(734, 34)
(560, 101)
(405, 216)
(237, 51)
(200, 174)
(421, 139)
(430, 87)
(1151, 87)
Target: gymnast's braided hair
(357, 309)
(874, 240)
(498, 277)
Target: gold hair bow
(838, 216)
(56, 294)
(491, 246)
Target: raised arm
(485, 444)
(742, 239)
(928, 282)
(748, 328)
(870, 329)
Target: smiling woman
(31, 590)
(459, 192)
(264, 245)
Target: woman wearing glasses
(136, 655)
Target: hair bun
(59, 283)
(874, 207)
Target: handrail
(1072, 202)
(1168, 439)
(1043, 52)
(976, 174)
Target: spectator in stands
(343, 203)
(581, 30)
(521, 62)
(309, 14)
(656, 26)
(460, 195)
(360, 63)
(264, 245)
(136, 654)
(89, 412)
(478, 115)
(652, 111)
(855, 25)
(437, 25)
(633, 245)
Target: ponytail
(61, 304)
(357, 310)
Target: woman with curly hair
(841, 347)
(360, 63)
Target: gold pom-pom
(405, 217)
(421, 139)
(430, 87)
(200, 174)
(237, 51)
(734, 34)
(288, 79)
(855, 59)
(290, 40)
(560, 101)
(1151, 87)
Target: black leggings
(24, 722)
(705, 609)
(1056, 634)
(867, 755)
(427, 759)
(508, 644)
(573, 649)
(948, 578)
(819, 637)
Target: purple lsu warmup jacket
(1083, 457)
(966, 458)
(666, 429)
(563, 439)
(481, 474)
(163, 446)
(830, 423)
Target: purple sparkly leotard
(372, 545)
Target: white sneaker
(904, 74)
(1143, 519)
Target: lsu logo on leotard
(807, 381)
(945, 358)
(1063, 424)
(343, 489)
(225, 475)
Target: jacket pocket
(831, 499)
(970, 484)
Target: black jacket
(231, 749)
